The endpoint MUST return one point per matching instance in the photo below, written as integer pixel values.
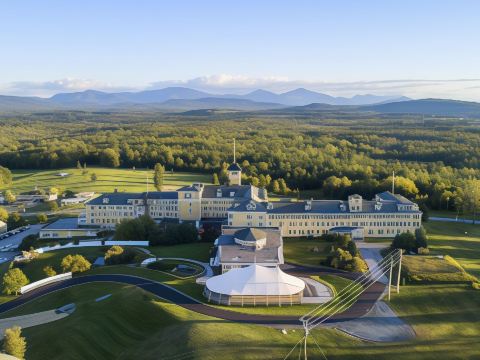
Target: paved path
(372, 256)
(380, 324)
(361, 307)
(30, 320)
(446, 219)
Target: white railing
(91, 243)
(49, 280)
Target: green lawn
(34, 268)
(301, 250)
(450, 214)
(108, 180)
(196, 251)
(450, 239)
(134, 324)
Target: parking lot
(9, 243)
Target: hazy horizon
(345, 48)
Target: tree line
(435, 160)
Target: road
(362, 306)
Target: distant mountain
(217, 103)
(19, 103)
(93, 97)
(438, 107)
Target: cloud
(415, 88)
(49, 88)
(463, 89)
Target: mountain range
(181, 99)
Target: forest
(436, 160)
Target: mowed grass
(301, 250)
(461, 241)
(108, 179)
(196, 251)
(133, 324)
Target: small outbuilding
(255, 285)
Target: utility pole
(399, 271)
(234, 157)
(390, 278)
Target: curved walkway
(361, 307)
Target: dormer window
(106, 200)
(232, 193)
(219, 193)
(188, 196)
(251, 206)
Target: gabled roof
(117, 198)
(234, 167)
(388, 196)
(162, 195)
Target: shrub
(358, 265)
(52, 205)
(13, 280)
(42, 218)
(49, 271)
(118, 255)
(75, 263)
(13, 343)
(423, 251)
(476, 285)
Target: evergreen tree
(215, 180)
(159, 172)
(79, 166)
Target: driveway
(371, 254)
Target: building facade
(385, 216)
(247, 206)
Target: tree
(14, 343)
(275, 187)
(9, 197)
(3, 214)
(110, 158)
(13, 280)
(470, 197)
(69, 194)
(15, 220)
(49, 271)
(118, 255)
(52, 205)
(215, 179)
(93, 177)
(158, 174)
(75, 263)
(421, 238)
(5, 176)
(359, 265)
(403, 186)
(405, 241)
(79, 166)
(28, 242)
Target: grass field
(196, 251)
(108, 180)
(133, 324)
(461, 241)
(300, 250)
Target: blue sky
(417, 48)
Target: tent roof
(255, 280)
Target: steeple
(234, 171)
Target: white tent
(255, 280)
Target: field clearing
(301, 250)
(108, 179)
(460, 241)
